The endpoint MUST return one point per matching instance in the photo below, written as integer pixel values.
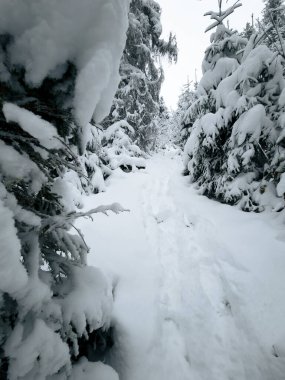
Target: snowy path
(200, 285)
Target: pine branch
(53, 222)
(81, 236)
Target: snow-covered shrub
(58, 69)
(119, 149)
(234, 152)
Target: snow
(120, 150)
(225, 95)
(89, 302)
(250, 68)
(20, 214)
(33, 296)
(199, 286)
(211, 79)
(281, 122)
(254, 62)
(249, 125)
(36, 356)
(13, 275)
(67, 188)
(116, 127)
(85, 370)
(220, 16)
(37, 127)
(281, 186)
(48, 34)
(281, 100)
(19, 166)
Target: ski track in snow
(199, 290)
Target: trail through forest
(198, 285)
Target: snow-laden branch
(54, 222)
(221, 16)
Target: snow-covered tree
(137, 99)
(248, 31)
(221, 59)
(185, 100)
(186, 96)
(119, 150)
(232, 152)
(165, 132)
(58, 70)
(254, 132)
(273, 22)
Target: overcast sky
(185, 18)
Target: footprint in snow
(162, 216)
(187, 221)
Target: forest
(138, 241)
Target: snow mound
(85, 370)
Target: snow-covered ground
(199, 286)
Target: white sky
(185, 18)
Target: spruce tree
(54, 308)
(234, 152)
(205, 123)
(137, 99)
(248, 31)
(273, 22)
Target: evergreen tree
(186, 96)
(232, 152)
(137, 99)
(273, 22)
(165, 128)
(119, 150)
(54, 308)
(248, 31)
(185, 100)
(206, 128)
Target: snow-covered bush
(232, 152)
(58, 69)
(119, 149)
